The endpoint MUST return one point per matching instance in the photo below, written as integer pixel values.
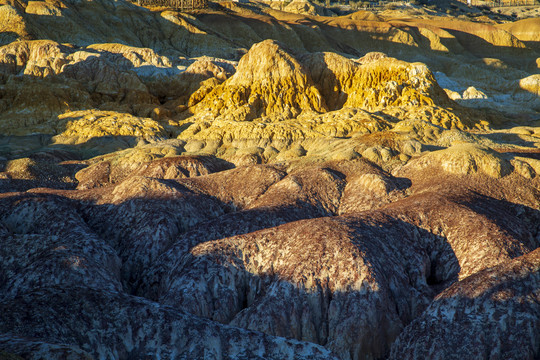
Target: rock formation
(493, 313)
(268, 181)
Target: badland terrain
(274, 180)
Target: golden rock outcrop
(268, 82)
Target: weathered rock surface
(493, 313)
(171, 182)
(268, 82)
(446, 235)
(46, 242)
(108, 170)
(297, 281)
(141, 217)
(114, 325)
(15, 348)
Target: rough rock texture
(46, 243)
(491, 314)
(268, 81)
(35, 350)
(366, 183)
(286, 87)
(296, 281)
(114, 325)
(107, 171)
(142, 216)
(231, 247)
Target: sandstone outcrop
(268, 81)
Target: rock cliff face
(260, 181)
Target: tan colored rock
(116, 166)
(473, 93)
(268, 82)
(466, 159)
(81, 126)
(525, 30)
(12, 23)
(523, 168)
(303, 7)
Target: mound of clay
(81, 126)
(466, 159)
(527, 30)
(365, 15)
(116, 166)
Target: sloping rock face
(46, 278)
(114, 325)
(341, 254)
(296, 281)
(493, 313)
(46, 243)
(34, 350)
(315, 279)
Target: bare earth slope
(260, 181)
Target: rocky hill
(268, 181)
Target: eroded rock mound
(114, 170)
(160, 202)
(46, 242)
(35, 350)
(268, 81)
(296, 281)
(493, 313)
